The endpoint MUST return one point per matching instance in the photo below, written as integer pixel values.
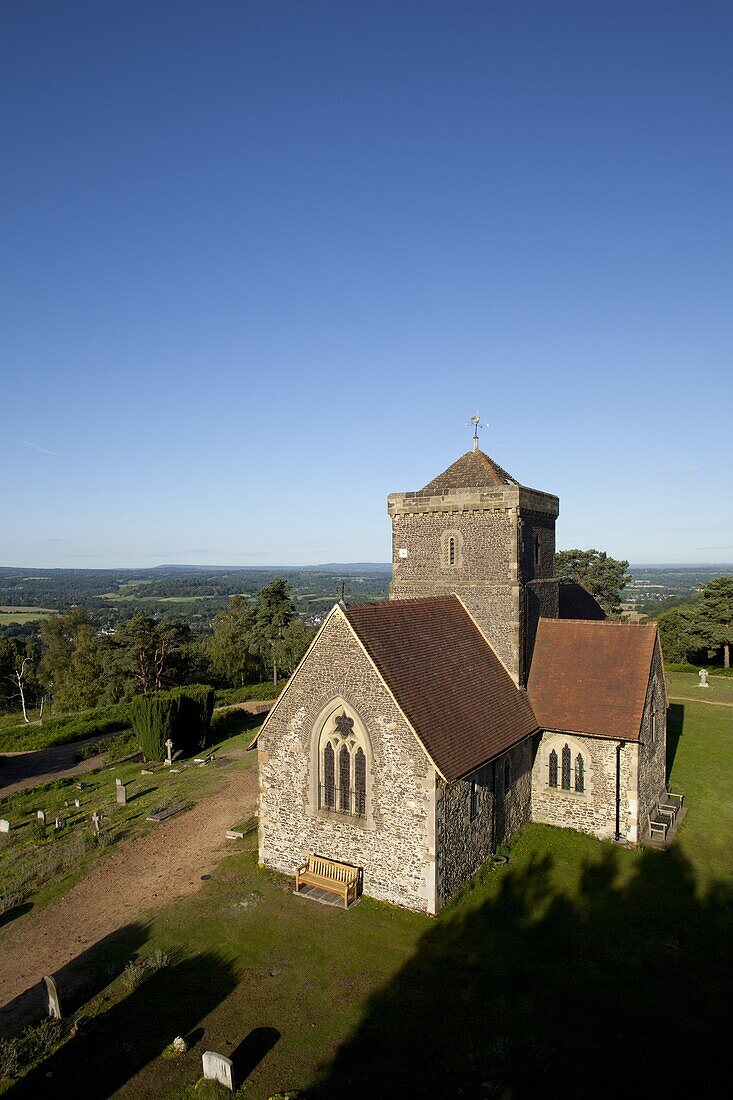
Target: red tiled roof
(591, 677)
(474, 470)
(447, 680)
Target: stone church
(417, 734)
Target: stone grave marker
(121, 790)
(41, 815)
(217, 1067)
(169, 752)
(4, 825)
(97, 822)
(52, 997)
(77, 802)
(703, 674)
(60, 823)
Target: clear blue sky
(262, 260)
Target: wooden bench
(327, 874)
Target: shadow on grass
(675, 724)
(80, 980)
(250, 1052)
(229, 723)
(134, 1031)
(621, 989)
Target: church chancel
(417, 734)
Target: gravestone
(97, 822)
(4, 825)
(703, 674)
(121, 790)
(41, 815)
(217, 1067)
(52, 997)
(60, 823)
(77, 802)
(169, 752)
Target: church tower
(476, 532)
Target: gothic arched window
(360, 783)
(579, 773)
(553, 768)
(344, 779)
(341, 761)
(328, 792)
(566, 767)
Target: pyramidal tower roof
(474, 470)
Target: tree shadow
(620, 988)
(133, 1032)
(79, 980)
(16, 911)
(675, 725)
(250, 1052)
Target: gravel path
(141, 875)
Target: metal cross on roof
(475, 422)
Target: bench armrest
(303, 867)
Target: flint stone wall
(464, 845)
(398, 853)
(594, 810)
(652, 766)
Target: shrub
(137, 970)
(62, 730)
(9, 1057)
(268, 690)
(37, 830)
(38, 1040)
(153, 722)
(183, 715)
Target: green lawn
(720, 689)
(10, 615)
(579, 970)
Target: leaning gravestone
(217, 1067)
(52, 998)
(4, 825)
(121, 790)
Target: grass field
(685, 684)
(10, 615)
(580, 969)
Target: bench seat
(328, 874)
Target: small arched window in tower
(566, 767)
(553, 768)
(344, 779)
(451, 551)
(360, 783)
(579, 773)
(536, 550)
(329, 778)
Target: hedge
(268, 690)
(182, 715)
(681, 666)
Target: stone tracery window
(566, 767)
(565, 772)
(341, 756)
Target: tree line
(79, 666)
(692, 632)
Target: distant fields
(24, 614)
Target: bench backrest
(329, 868)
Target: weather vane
(475, 422)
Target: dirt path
(145, 874)
(22, 770)
(694, 699)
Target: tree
(715, 615)
(232, 647)
(275, 609)
(679, 633)
(604, 577)
(156, 652)
(290, 648)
